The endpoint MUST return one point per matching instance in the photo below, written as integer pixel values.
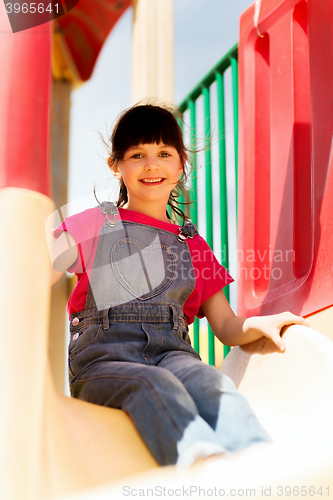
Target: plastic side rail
(285, 174)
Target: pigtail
(123, 197)
(174, 203)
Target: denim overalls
(130, 347)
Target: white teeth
(152, 180)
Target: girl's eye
(165, 154)
(137, 156)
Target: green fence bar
(223, 183)
(208, 169)
(203, 89)
(193, 160)
(193, 197)
(181, 198)
(207, 81)
(234, 69)
(209, 201)
(222, 175)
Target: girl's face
(150, 172)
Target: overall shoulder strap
(110, 210)
(188, 230)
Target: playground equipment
(285, 175)
(56, 447)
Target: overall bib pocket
(144, 271)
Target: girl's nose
(152, 164)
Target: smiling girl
(141, 280)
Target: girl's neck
(158, 213)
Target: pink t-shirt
(210, 276)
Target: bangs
(147, 125)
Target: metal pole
(152, 50)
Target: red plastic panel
(285, 161)
(25, 86)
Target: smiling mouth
(158, 180)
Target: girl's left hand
(271, 326)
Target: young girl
(141, 281)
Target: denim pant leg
(218, 401)
(157, 402)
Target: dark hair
(149, 124)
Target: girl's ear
(114, 169)
(116, 173)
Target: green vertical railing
(234, 67)
(181, 199)
(193, 196)
(223, 182)
(203, 89)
